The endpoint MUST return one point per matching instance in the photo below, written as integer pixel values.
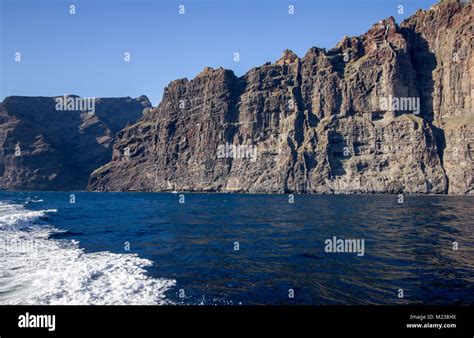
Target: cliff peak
(288, 57)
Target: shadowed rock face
(441, 40)
(317, 123)
(42, 148)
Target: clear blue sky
(83, 53)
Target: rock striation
(43, 148)
(440, 44)
(386, 112)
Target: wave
(31, 200)
(36, 269)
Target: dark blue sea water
(186, 253)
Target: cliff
(43, 147)
(386, 112)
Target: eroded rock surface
(317, 122)
(42, 148)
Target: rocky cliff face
(386, 112)
(441, 44)
(46, 148)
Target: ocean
(234, 249)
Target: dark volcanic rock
(42, 148)
(441, 44)
(317, 123)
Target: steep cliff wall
(388, 111)
(45, 148)
(441, 44)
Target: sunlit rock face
(386, 112)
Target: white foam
(35, 269)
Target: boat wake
(36, 269)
